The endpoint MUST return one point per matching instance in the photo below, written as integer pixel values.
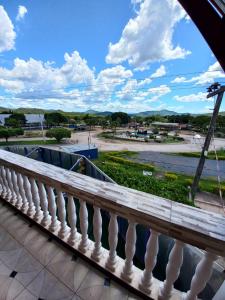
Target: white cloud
(22, 11)
(199, 97)
(34, 80)
(179, 79)
(161, 71)
(7, 33)
(213, 73)
(148, 37)
(36, 76)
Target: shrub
(216, 189)
(171, 176)
(188, 181)
(58, 133)
(127, 162)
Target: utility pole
(214, 89)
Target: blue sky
(130, 55)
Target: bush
(127, 162)
(171, 176)
(188, 181)
(216, 189)
(133, 178)
(58, 133)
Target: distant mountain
(163, 112)
(98, 113)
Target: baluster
(15, 187)
(36, 199)
(62, 214)
(72, 216)
(83, 226)
(52, 209)
(202, 275)
(113, 240)
(8, 192)
(20, 181)
(20, 196)
(172, 269)
(27, 188)
(43, 203)
(97, 226)
(12, 196)
(129, 251)
(4, 187)
(1, 182)
(150, 261)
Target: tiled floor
(34, 267)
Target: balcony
(56, 204)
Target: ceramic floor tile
(94, 286)
(17, 227)
(48, 287)
(71, 272)
(26, 295)
(20, 261)
(9, 288)
(4, 270)
(40, 247)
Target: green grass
(29, 142)
(211, 154)
(130, 174)
(119, 166)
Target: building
(166, 126)
(31, 119)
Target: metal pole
(208, 138)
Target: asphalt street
(180, 164)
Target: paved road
(180, 164)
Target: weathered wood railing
(40, 191)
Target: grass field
(211, 154)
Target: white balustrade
(202, 275)
(11, 194)
(113, 240)
(150, 261)
(62, 214)
(72, 217)
(172, 270)
(52, 209)
(83, 226)
(97, 228)
(130, 247)
(43, 203)
(27, 189)
(16, 188)
(41, 196)
(36, 199)
(3, 182)
(24, 204)
(18, 178)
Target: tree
(55, 118)
(121, 117)
(10, 122)
(58, 133)
(16, 119)
(6, 133)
